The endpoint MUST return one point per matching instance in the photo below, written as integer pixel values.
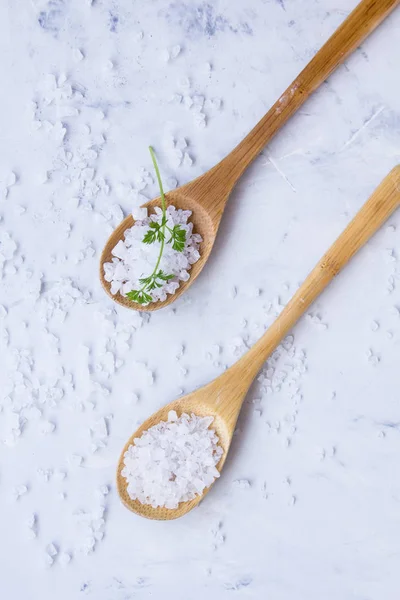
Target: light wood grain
(207, 195)
(223, 397)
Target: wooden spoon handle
(358, 25)
(367, 221)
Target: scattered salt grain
(48, 560)
(44, 474)
(32, 524)
(187, 160)
(52, 550)
(184, 83)
(11, 179)
(175, 51)
(374, 326)
(60, 475)
(200, 120)
(173, 461)
(243, 484)
(47, 427)
(77, 54)
(188, 101)
(216, 103)
(19, 490)
(103, 490)
(76, 460)
(89, 545)
(64, 559)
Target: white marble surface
(320, 445)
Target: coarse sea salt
(133, 260)
(173, 461)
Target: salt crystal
(185, 83)
(47, 427)
(44, 474)
(243, 484)
(89, 544)
(216, 103)
(11, 179)
(103, 490)
(49, 560)
(64, 559)
(19, 490)
(52, 550)
(176, 98)
(187, 160)
(31, 521)
(77, 54)
(76, 460)
(139, 213)
(98, 513)
(200, 120)
(175, 51)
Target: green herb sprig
(158, 232)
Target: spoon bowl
(202, 224)
(202, 405)
(223, 397)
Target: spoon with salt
(223, 397)
(207, 195)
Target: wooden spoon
(207, 195)
(223, 397)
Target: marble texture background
(309, 502)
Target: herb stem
(164, 217)
(163, 206)
(156, 232)
(153, 158)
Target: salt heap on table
(173, 461)
(133, 260)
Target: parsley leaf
(178, 238)
(139, 296)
